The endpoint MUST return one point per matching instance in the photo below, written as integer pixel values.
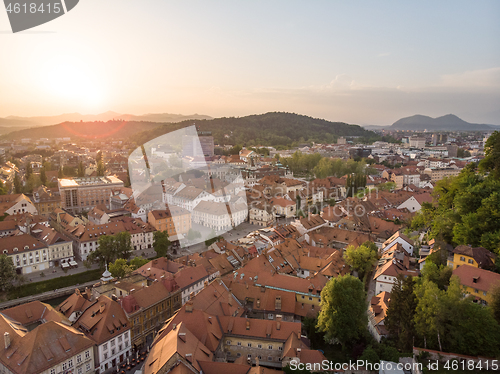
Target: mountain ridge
(448, 122)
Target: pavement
(51, 273)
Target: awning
(73, 263)
(65, 265)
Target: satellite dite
(25, 14)
(174, 179)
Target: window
(113, 342)
(470, 261)
(52, 371)
(105, 346)
(280, 348)
(79, 358)
(80, 371)
(239, 344)
(462, 258)
(259, 346)
(269, 347)
(249, 345)
(269, 358)
(87, 367)
(87, 354)
(70, 363)
(476, 290)
(228, 342)
(65, 366)
(484, 293)
(249, 356)
(106, 356)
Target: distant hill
(275, 128)
(265, 129)
(448, 122)
(13, 121)
(89, 130)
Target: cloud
(486, 78)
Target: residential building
(175, 220)
(478, 282)
(261, 213)
(414, 202)
(16, 204)
(147, 308)
(80, 195)
(219, 216)
(46, 200)
(60, 247)
(377, 312)
(395, 261)
(438, 174)
(28, 253)
(478, 257)
(406, 243)
(37, 339)
(105, 323)
(417, 142)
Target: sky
(363, 62)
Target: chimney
(6, 337)
(189, 357)
(278, 325)
(174, 326)
(87, 292)
(189, 306)
(248, 325)
(182, 336)
(257, 361)
(101, 308)
(230, 298)
(77, 291)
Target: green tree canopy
(7, 272)
(401, 312)
(161, 243)
(362, 258)
(111, 248)
(491, 161)
(120, 268)
(81, 169)
(343, 310)
(43, 176)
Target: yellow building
(478, 257)
(148, 308)
(478, 282)
(174, 220)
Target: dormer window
(15, 249)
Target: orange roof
(483, 280)
(103, 320)
(178, 343)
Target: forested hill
(273, 129)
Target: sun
(71, 80)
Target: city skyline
(360, 63)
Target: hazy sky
(367, 62)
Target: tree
(161, 243)
(100, 169)
(98, 157)
(81, 169)
(491, 161)
(112, 247)
(18, 188)
(400, 314)
(440, 275)
(495, 302)
(7, 272)
(47, 166)
(29, 170)
(137, 262)
(43, 177)
(120, 268)
(343, 310)
(60, 173)
(362, 258)
(3, 189)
